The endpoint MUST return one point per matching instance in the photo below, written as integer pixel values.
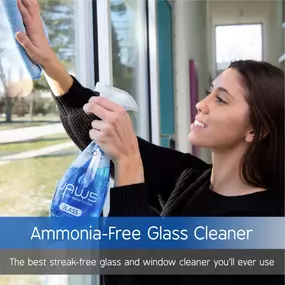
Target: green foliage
(41, 84)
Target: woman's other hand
(34, 41)
(115, 136)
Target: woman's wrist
(129, 171)
(56, 75)
(48, 59)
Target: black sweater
(176, 184)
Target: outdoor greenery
(58, 16)
(31, 184)
(11, 148)
(21, 280)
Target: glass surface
(35, 150)
(129, 54)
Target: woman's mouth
(199, 124)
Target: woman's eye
(220, 100)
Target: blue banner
(142, 233)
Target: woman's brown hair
(263, 162)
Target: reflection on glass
(34, 148)
(127, 48)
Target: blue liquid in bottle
(83, 190)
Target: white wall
(246, 12)
(190, 42)
(279, 31)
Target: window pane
(236, 42)
(129, 55)
(35, 150)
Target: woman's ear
(249, 136)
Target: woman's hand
(34, 41)
(115, 136)
(38, 49)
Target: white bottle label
(70, 210)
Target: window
(234, 42)
(129, 55)
(35, 150)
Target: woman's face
(222, 119)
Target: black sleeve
(130, 201)
(162, 166)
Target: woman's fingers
(23, 10)
(97, 110)
(95, 135)
(98, 125)
(114, 132)
(105, 103)
(32, 6)
(25, 42)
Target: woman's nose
(202, 106)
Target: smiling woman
(245, 179)
(242, 121)
(225, 106)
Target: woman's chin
(196, 141)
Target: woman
(241, 119)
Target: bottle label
(70, 210)
(83, 189)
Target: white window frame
(143, 83)
(154, 72)
(104, 57)
(84, 42)
(104, 42)
(85, 73)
